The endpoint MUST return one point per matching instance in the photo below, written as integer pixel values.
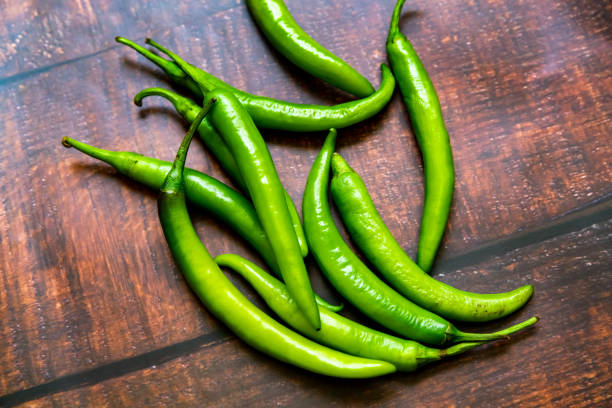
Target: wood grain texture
(86, 280)
(561, 362)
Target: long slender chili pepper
(288, 38)
(276, 114)
(222, 202)
(241, 136)
(426, 116)
(356, 283)
(337, 331)
(369, 232)
(229, 305)
(189, 110)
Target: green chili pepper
(208, 193)
(189, 110)
(357, 283)
(170, 68)
(337, 331)
(247, 146)
(272, 113)
(288, 38)
(368, 231)
(229, 305)
(426, 116)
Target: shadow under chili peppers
(152, 71)
(103, 170)
(164, 110)
(381, 389)
(205, 224)
(406, 16)
(310, 88)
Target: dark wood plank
(73, 282)
(41, 34)
(558, 363)
(525, 91)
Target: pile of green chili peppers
(408, 302)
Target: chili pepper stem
(204, 85)
(394, 26)
(430, 355)
(122, 161)
(174, 179)
(460, 336)
(170, 68)
(459, 348)
(164, 93)
(94, 152)
(167, 66)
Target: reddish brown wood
(558, 363)
(85, 276)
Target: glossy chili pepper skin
(356, 283)
(337, 331)
(276, 114)
(230, 306)
(288, 38)
(189, 110)
(222, 202)
(243, 139)
(367, 229)
(426, 116)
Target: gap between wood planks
(116, 368)
(592, 213)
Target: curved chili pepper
(288, 38)
(367, 229)
(247, 146)
(357, 284)
(337, 331)
(426, 116)
(273, 113)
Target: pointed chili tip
(339, 165)
(138, 100)
(66, 142)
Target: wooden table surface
(94, 311)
